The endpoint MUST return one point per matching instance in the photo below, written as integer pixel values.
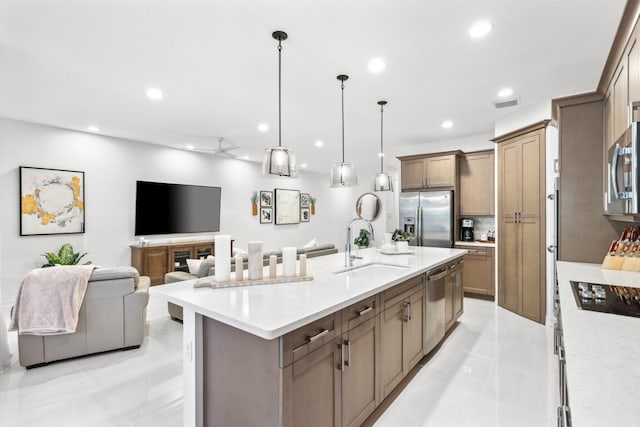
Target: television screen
(163, 208)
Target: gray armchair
(112, 316)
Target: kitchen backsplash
(482, 225)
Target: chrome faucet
(348, 258)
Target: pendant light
(279, 161)
(382, 181)
(343, 174)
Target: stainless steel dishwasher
(436, 279)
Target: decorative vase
(254, 209)
(313, 209)
(402, 246)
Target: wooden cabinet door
(360, 377)
(413, 174)
(620, 101)
(476, 184)
(414, 342)
(155, 262)
(477, 276)
(441, 171)
(391, 342)
(312, 389)
(458, 294)
(178, 256)
(633, 67)
(608, 127)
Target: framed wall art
(304, 200)
(266, 215)
(305, 215)
(287, 206)
(266, 199)
(51, 201)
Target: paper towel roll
(223, 257)
(289, 261)
(255, 260)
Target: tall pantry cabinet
(521, 221)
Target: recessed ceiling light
(154, 93)
(447, 124)
(319, 143)
(93, 128)
(376, 65)
(189, 147)
(480, 29)
(246, 157)
(263, 127)
(504, 92)
(304, 165)
(380, 154)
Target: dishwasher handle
(437, 276)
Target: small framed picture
(266, 215)
(304, 200)
(305, 216)
(266, 199)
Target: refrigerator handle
(419, 231)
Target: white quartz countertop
(477, 243)
(270, 311)
(602, 350)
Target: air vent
(503, 103)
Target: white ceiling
(75, 63)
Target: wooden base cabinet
(478, 277)
(453, 295)
(402, 333)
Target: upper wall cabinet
(429, 172)
(477, 183)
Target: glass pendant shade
(279, 161)
(343, 174)
(382, 182)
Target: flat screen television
(163, 208)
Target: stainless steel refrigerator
(428, 217)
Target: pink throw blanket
(49, 300)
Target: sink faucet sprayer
(348, 258)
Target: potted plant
(362, 241)
(402, 240)
(254, 203)
(312, 200)
(65, 256)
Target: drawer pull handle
(364, 311)
(312, 338)
(348, 361)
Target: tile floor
(495, 369)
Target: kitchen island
(265, 355)
(602, 374)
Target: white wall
(112, 166)
(524, 117)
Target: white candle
(239, 268)
(303, 265)
(273, 266)
(289, 261)
(255, 260)
(223, 257)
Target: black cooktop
(615, 299)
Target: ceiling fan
(223, 148)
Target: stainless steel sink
(369, 265)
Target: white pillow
(238, 251)
(194, 265)
(310, 244)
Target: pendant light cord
(342, 87)
(279, 93)
(381, 136)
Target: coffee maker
(466, 230)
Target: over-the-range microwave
(621, 197)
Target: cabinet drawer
(392, 296)
(476, 252)
(359, 312)
(304, 340)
